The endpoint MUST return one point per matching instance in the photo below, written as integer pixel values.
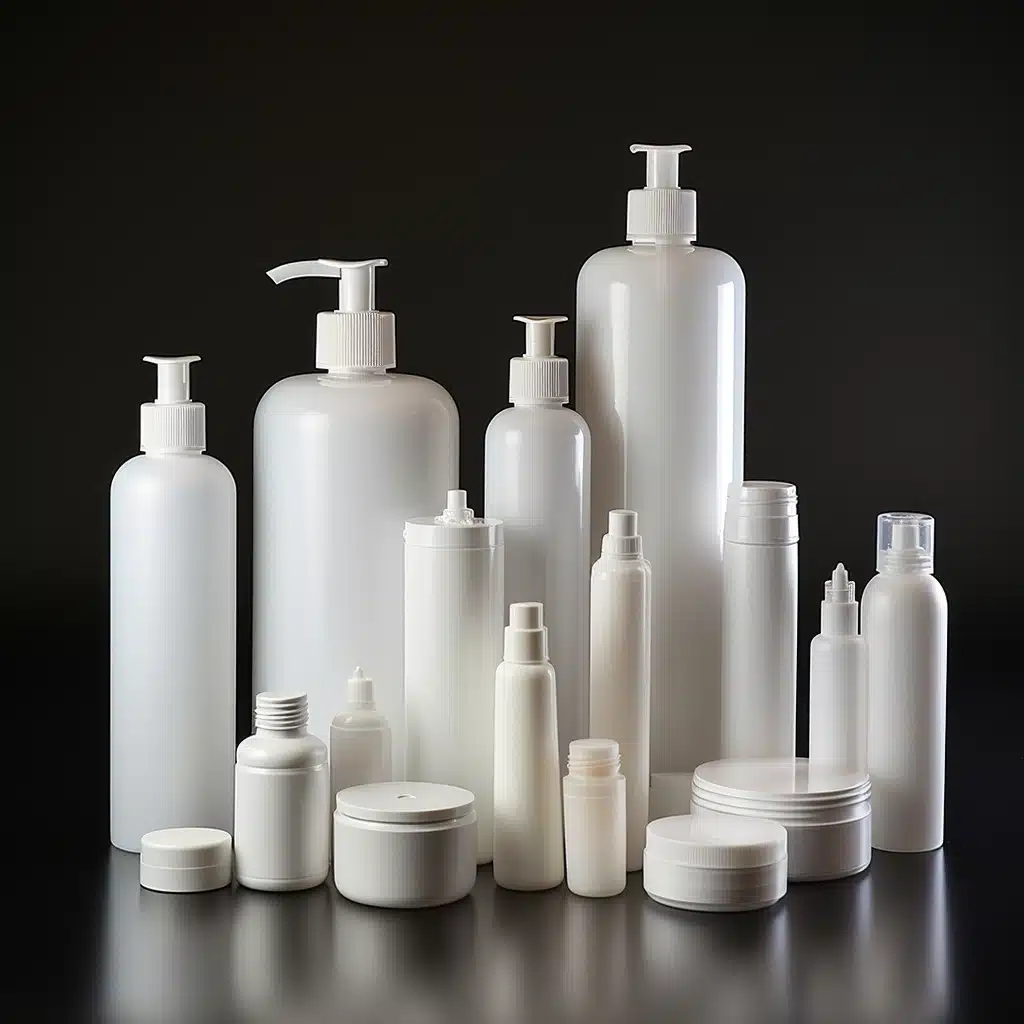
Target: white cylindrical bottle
(454, 587)
(659, 375)
(759, 620)
(537, 482)
(282, 833)
(172, 623)
(903, 619)
(620, 666)
(342, 459)
(360, 739)
(527, 801)
(595, 819)
(839, 680)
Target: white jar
(282, 784)
(595, 819)
(360, 739)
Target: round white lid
(185, 859)
(781, 779)
(405, 803)
(716, 841)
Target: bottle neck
(535, 403)
(355, 372)
(294, 732)
(650, 241)
(594, 769)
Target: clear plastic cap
(539, 376)
(661, 210)
(172, 423)
(359, 691)
(906, 542)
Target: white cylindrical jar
(620, 666)
(282, 837)
(759, 620)
(595, 819)
(454, 587)
(360, 739)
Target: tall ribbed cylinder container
(454, 616)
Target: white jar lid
(782, 781)
(406, 803)
(716, 841)
(185, 860)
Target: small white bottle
(537, 482)
(595, 819)
(282, 835)
(527, 802)
(172, 623)
(759, 620)
(903, 619)
(620, 666)
(839, 680)
(360, 739)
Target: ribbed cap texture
(661, 213)
(362, 340)
(544, 379)
(716, 841)
(170, 427)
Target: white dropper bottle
(360, 739)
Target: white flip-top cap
(539, 376)
(185, 860)
(173, 423)
(355, 336)
(661, 210)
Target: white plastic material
(595, 819)
(759, 620)
(839, 688)
(528, 853)
(454, 612)
(661, 209)
(173, 423)
(714, 862)
(904, 622)
(659, 380)
(282, 812)
(537, 482)
(172, 627)
(405, 844)
(185, 860)
(360, 739)
(342, 459)
(620, 659)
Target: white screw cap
(173, 423)
(360, 690)
(539, 376)
(661, 210)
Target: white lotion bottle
(537, 482)
(659, 375)
(759, 620)
(360, 739)
(527, 786)
(341, 459)
(839, 680)
(172, 623)
(620, 666)
(454, 594)
(903, 619)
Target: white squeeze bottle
(341, 459)
(537, 482)
(659, 374)
(172, 623)
(360, 739)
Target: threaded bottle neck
(594, 758)
(282, 713)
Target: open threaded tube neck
(281, 712)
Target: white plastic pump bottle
(172, 623)
(659, 372)
(342, 459)
(537, 482)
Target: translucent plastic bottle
(360, 739)
(659, 372)
(537, 482)
(342, 459)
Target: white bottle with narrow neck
(537, 482)
(904, 619)
(360, 739)
(839, 686)
(172, 623)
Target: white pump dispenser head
(539, 377)
(360, 691)
(839, 609)
(173, 423)
(661, 211)
(355, 337)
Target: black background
(864, 173)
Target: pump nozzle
(662, 163)
(456, 510)
(661, 211)
(355, 279)
(539, 377)
(172, 377)
(540, 334)
(172, 423)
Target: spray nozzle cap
(360, 690)
(906, 542)
(839, 589)
(526, 636)
(173, 422)
(662, 163)
(661, 210)
(622, 537)
(539, 376)
(456, 510)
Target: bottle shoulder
(624, 569)
(360, 721)
(891, 589)
(323, 393)
(554, 422)
(635, 263)
(536, 673)
(260, 751)
(155, 472)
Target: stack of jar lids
(825, 808)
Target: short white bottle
(282, 784)
(903, 619)
(172, 623)
(839, 680)
(620, 666)
(527, 802)
(360, 739)
(595, 819)
(537, 482)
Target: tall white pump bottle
(342, 459)
(537, 482)
(659, 372)
(172, 623)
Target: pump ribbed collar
(661, 210)
(539, 376)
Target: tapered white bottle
(528, 837)
(659, 375)
(537, 482)
(620, 666)
(360, 739)
(172, 623)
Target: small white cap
(526, 636)
(173, 423)
(661, 210)
(622, 538)
(839, 608)
(539, 376)
(360, 691)
(906, 542)
(185, 860)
